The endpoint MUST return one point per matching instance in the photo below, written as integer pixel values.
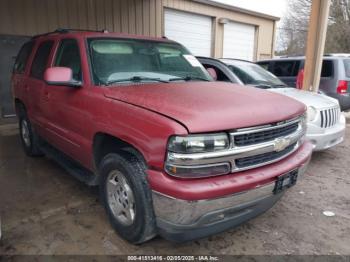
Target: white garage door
(191, 30)
(239, 41)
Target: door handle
(47, 95)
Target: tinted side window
(221, 76)
(286, 68)
(68, 56)
(327, 68)
(40, 59)
(22, 57)
(264, 65)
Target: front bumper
(324, 138)
(216, 221)
(181, 219)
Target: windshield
(116, 61)
(252, 74)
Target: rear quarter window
(347, 67)
(327, 68)
(264, 65)
(22, 58)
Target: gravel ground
(45, 211)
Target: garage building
(205, 27)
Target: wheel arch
(19, 104)
(104, 143)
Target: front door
(65, 105)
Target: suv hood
(316, 100)
(209, 106)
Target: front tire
(29, 138)
(127, 198)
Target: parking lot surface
(46, 211)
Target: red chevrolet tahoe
(172, 152)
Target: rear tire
(29, 138)
(127, 198)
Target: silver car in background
(326, 123)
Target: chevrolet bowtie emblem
(280, 144)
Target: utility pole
(315, 44)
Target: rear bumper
(322, 138)
(181, 219)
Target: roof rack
(68, 30)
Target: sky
(271, 7)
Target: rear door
(34, 86)
(286, 70)
(19, 73)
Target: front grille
(264, 136)
(329, 117)
(263, 158)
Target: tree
(292, 35)
(338, 32)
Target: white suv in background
(326, 123)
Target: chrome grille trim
(329, 117)
(257, 129)
(236, 152)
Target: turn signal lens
(198, 171)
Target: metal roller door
(191, 30)
(239, 41)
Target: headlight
(181, 146)
(198, 143)
(311, 113)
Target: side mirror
(212, 73)
(60, 76)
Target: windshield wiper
(136, 79)
(263, 86)
(279, 85)
(188, 78)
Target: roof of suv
(101, 33)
